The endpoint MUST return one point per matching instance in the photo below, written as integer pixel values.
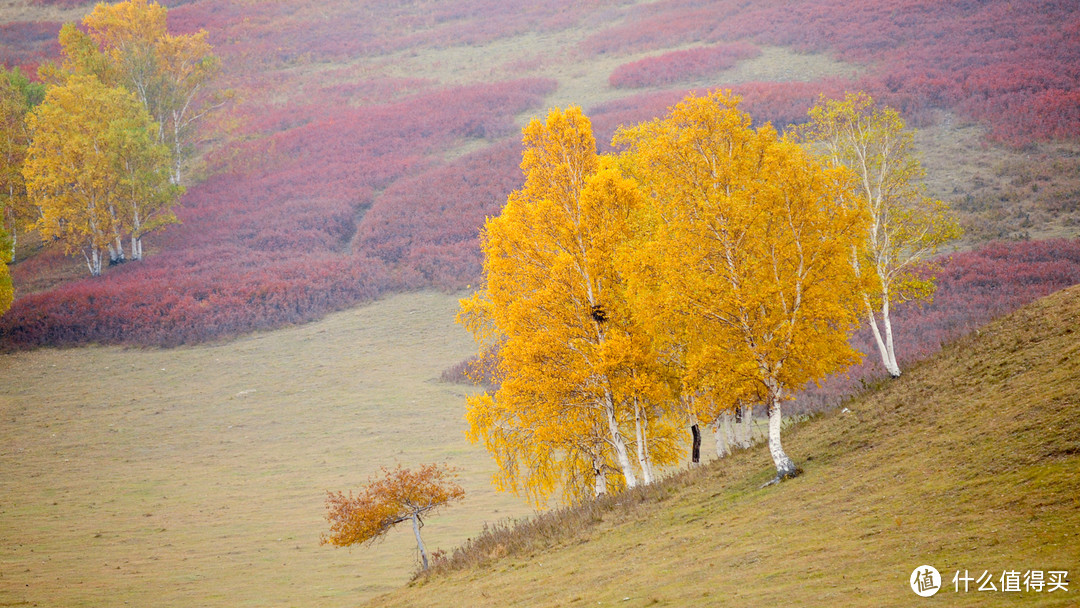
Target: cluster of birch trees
(707, 268)
(96, 162)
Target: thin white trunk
(116, 251)
(886, 320)
(136, 247)
(785, 468)
(884, 345)
(640, 425)
(748, 425)
(617, 442)
(729, 431)
(419, 541)
(738, 430)
(600, 480)
(721, 432)
(741, 433)
(93, 262)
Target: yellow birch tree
(17, 96)
(751, 244)
(127, 44)
(906, 225)
(572, 367)
(90, 166)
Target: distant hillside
(966, 463)
(368, 141)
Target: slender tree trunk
(744, 430)
(178, 148)
(136, 234)
(886, 321)
(695, 449)
(419, 541)
(116, 252)
(737, 432)
(729, 431)
(785, 468)
(640, 425)
(884, 345)
(600, 480)
(722, 433)
(748, 425)
(617, 442)
(93, 261)
(14, 241)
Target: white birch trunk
(600, 481)
(785, 468)
(748, 425)
(884, 345)
(419, 541)
(642, 445)
(120, 256)
(886, 320)
(721, 433)
(741, 434)
(617, 442)
(93, 261)
(729, 431)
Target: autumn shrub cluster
(1009, 66)
(677, 66)
(25, 45)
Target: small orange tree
(389, 499)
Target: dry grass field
(196, 476)
(967, 463)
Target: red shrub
(678, 66)
(26, 44)
(1010, 66)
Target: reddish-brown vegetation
(1007, 65)
(677, 66)
(333, 186)
(25, 45)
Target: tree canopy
(905, 225)
(94, 173)
(395, 496)
(704, 268)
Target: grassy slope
(196, 476)
(967, 462)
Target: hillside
(968, 462)
(367, 143)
